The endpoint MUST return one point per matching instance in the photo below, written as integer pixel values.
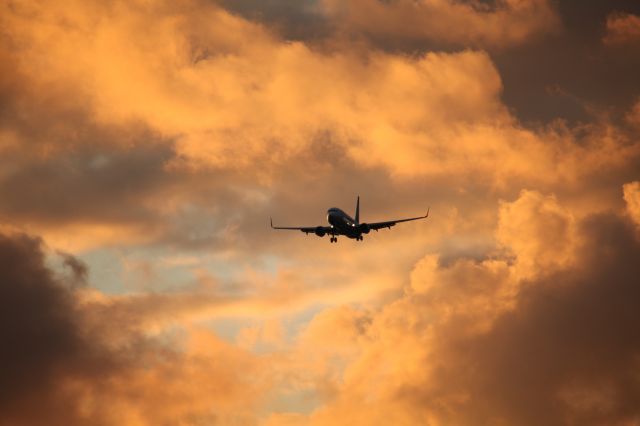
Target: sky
(145, 144)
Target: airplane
(341, 223)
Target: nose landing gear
(334, 239)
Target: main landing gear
(334, 239)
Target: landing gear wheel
(334, 240)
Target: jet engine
(364, 228)
(320, 232)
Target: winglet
(271, 219)
(428, 208)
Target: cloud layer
(144, 145)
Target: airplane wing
(307, 229)
(390, 223)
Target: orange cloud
(540, 232)
(632, 198)
(622, 28)
(143, 116)
(457, 346)
(172, 131)
(235, 101)
(452, 351)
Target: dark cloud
(65, 362)
(294, 20)
(87, 183)
(572, 74)
(79, 269)
(567, 354)
(42, 340)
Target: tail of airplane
(357, 218)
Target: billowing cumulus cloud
(539, 230)
(476, 342)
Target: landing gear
(359, 238)
(334, 239)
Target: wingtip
(428, 209)
(271, 221)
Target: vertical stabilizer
(357, 218)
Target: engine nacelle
(365, 228)
(320, 232)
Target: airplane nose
(331, 217)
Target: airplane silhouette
(341, 223)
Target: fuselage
(343, 223)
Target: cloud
(633, 116)
(632, 197)
(539, 231)
(622, 28)
(195, 83)
(563, 349)
(142, 150)
(538, 355)
(38, 327)
(85, 357)
(163, 135)
(445, 22)
(522, 336)
(80, 365)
